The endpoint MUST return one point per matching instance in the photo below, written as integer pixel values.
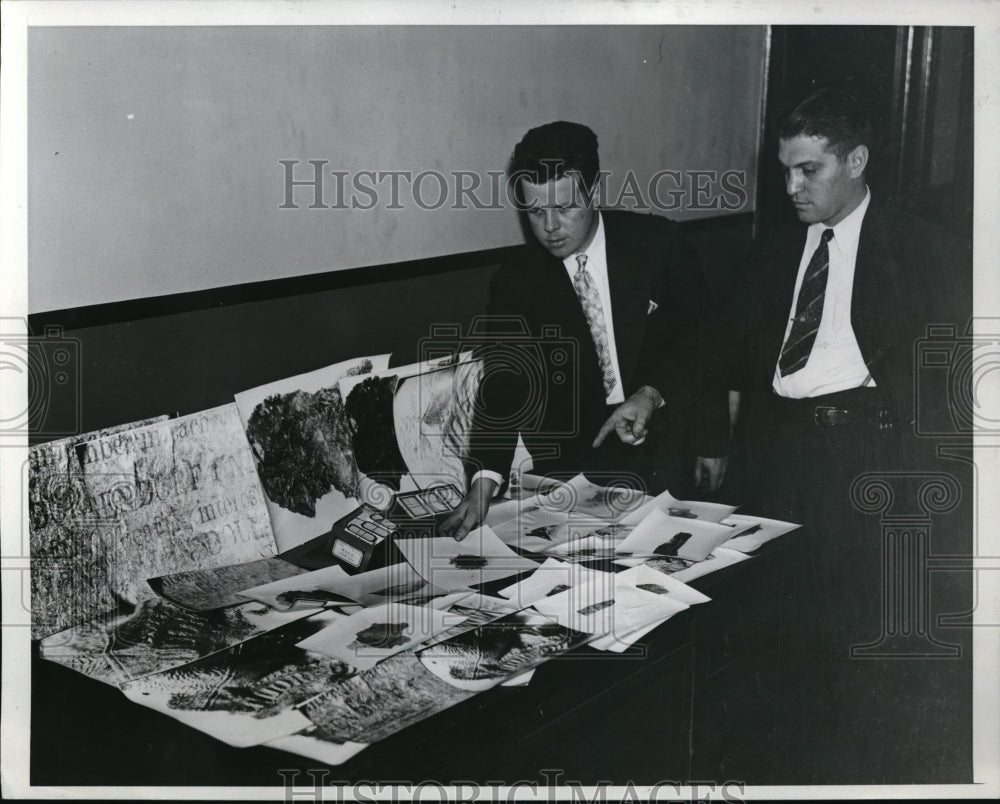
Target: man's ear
(857, 161)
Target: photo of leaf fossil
(483, 657)
(593, 608)
(262, 678)
(469, 562)
(377, 702)
(671, 547)
(380, 635)
(154, 636)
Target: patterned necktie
(808, 310)
(594, 313)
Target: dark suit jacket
(908, 275)
(547, 383)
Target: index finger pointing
(605, 430)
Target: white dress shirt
(835, 362)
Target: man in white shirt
(607, 308)
(832, 313)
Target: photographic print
(393, 583)
(660, 534)
(608, 503)
(647, 579)
(156, 636)
(469, 612)
(248, 694)
(410, 425)
(684, 570)
(552, 577)
(203, 198)
(588, 539)
(533, 530)
(63, 522)
(171, 496)
(311, 743)
(608, 606)
(449, 564)
(753, 531)
(680, 509)
(480, 659)
(371, 635)
(377, 702)
(301, 441)
(208, 589)
(291, 592)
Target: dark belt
(856, 406)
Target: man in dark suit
(603, 318)
(832, 312)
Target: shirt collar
(846, 233)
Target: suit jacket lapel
(629, 281)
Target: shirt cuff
(496, 477)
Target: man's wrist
(490, 481)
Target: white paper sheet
(687, 571)
(394, 583)
(754, 531)
(720, 559)
(648, 579)
(371, 635)
(308, 743)
(599, 607)
(681, 509)
(662, 534)
(535, 531)
(551, 577)
(450, 564)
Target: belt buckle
(824, 415)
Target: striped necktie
(593, 311)
(808, 310)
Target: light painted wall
(154, 152)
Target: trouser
(825, 713)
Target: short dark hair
(548, 152)
(830, 113)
